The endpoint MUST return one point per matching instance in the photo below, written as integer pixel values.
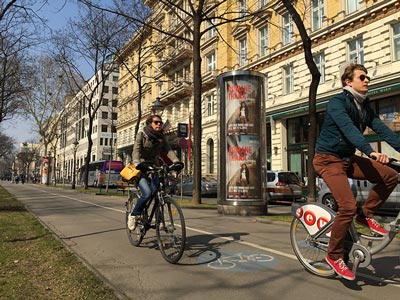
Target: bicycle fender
(314, 216)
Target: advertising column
(242, 143)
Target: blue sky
(57, 12)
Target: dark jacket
(146, 149)
(342, 130)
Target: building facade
(267, 41)
(72, 144)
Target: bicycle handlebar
(148, 167)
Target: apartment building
(73, 143)
(342, 31)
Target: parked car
(284, 185)
(208, 187)
(360, 190)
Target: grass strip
(35, 265)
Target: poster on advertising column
(242, 135)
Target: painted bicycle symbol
(242, 259)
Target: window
(356, 51)
(396, 41)
(104, 115)
(262, 3)
(114, 116)
(389, 112)
(317, 14)
(115, 90)
(104, 101)
(288, 78)
(114, 103)
(115, 78)
(104, 128)
(210, 105)
(287, 29)
(242, 7)
(352, 5)
(319, 60)
(211, 64)
(263, 36)
(105, 89)
(210, 27)
(242, 51)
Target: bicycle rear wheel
(171, 230)
(135, 236)
(311, 252)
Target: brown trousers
(335, 172)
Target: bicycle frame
(363, 247)
(161, 213)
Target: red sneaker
(372, 224)
(340, 268)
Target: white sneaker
(132, 222)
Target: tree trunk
(312, 131)
(197, 83)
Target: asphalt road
(226, 257)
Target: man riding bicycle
(346, 117)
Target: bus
(98, 173)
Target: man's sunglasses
(362, 77)
(158, 122)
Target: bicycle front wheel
(171, 230)
(310, 251)
(136, 235)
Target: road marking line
(287, 255)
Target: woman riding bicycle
(347, 116)
(149, 144)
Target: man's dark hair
(349, 72)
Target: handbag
(130, 173)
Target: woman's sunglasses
(363, 77)
(158, 122)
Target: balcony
(177, 91)
(176, 56)
(209, 79)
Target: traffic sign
(182, 143)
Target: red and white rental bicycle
(310, 233)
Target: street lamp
(75, 143)
(157, 107)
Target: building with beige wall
(341, 31)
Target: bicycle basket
(130, 173)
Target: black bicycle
(161, 213)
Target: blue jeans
(147, 190)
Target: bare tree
(312, 98)
(193, 16)
(44, 102)
(26, 156)
(19, 26)
(94, 37)
(144, 51)
(6, 145)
